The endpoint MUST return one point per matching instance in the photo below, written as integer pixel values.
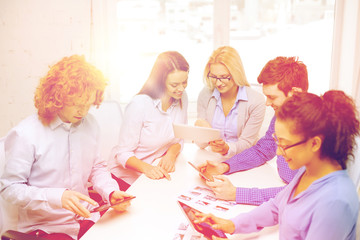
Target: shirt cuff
(121, 158)
(242, 195)
(231, 162)
(54, 196)
(232, 150)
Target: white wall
(33, 35)
(345, 74)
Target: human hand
(218, 238)
(219, 146)
(202, 123)
(167, 163)
(156, 172)
(70, 200)
(117, 196)
(223, 188)
(213, 167)
(227, 226)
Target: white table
(155, 214)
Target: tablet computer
(195, 133)
(203, 228)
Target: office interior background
(124, 37)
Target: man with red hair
(280, 78)
(51, 156)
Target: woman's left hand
(219, 146)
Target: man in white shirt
(51, 156)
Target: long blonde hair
(230, 58)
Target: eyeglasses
(221, 79)
(283, 148)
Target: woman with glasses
(317, 136)
(229, 104)
(146, 133)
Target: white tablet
(195, 134)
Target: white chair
(8, 212)
(109, 117)
(353, 166)
(2, 163)
(358, 224)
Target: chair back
(353, 166)
(109, 117)
(2, 165)
(8, 212)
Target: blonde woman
(229, 104)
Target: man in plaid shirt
(280, 78)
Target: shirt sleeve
(262, 216)
(20, 155)
(100, 177)
(130, 130)
(251, 130)
(263, 151)
(256, 196)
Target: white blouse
(146, 133)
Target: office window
(259, 29)
(149, 27)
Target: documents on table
(202, 199)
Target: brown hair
(166, 63)
(332, 116)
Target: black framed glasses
(283, 148)
(221, 79)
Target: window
(264, 29)
(259, 29)
(149, 27)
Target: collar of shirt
(241, 95)
(158, 104)
(317, 184)
(57, 122)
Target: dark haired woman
(315, 135)
(146, 132)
